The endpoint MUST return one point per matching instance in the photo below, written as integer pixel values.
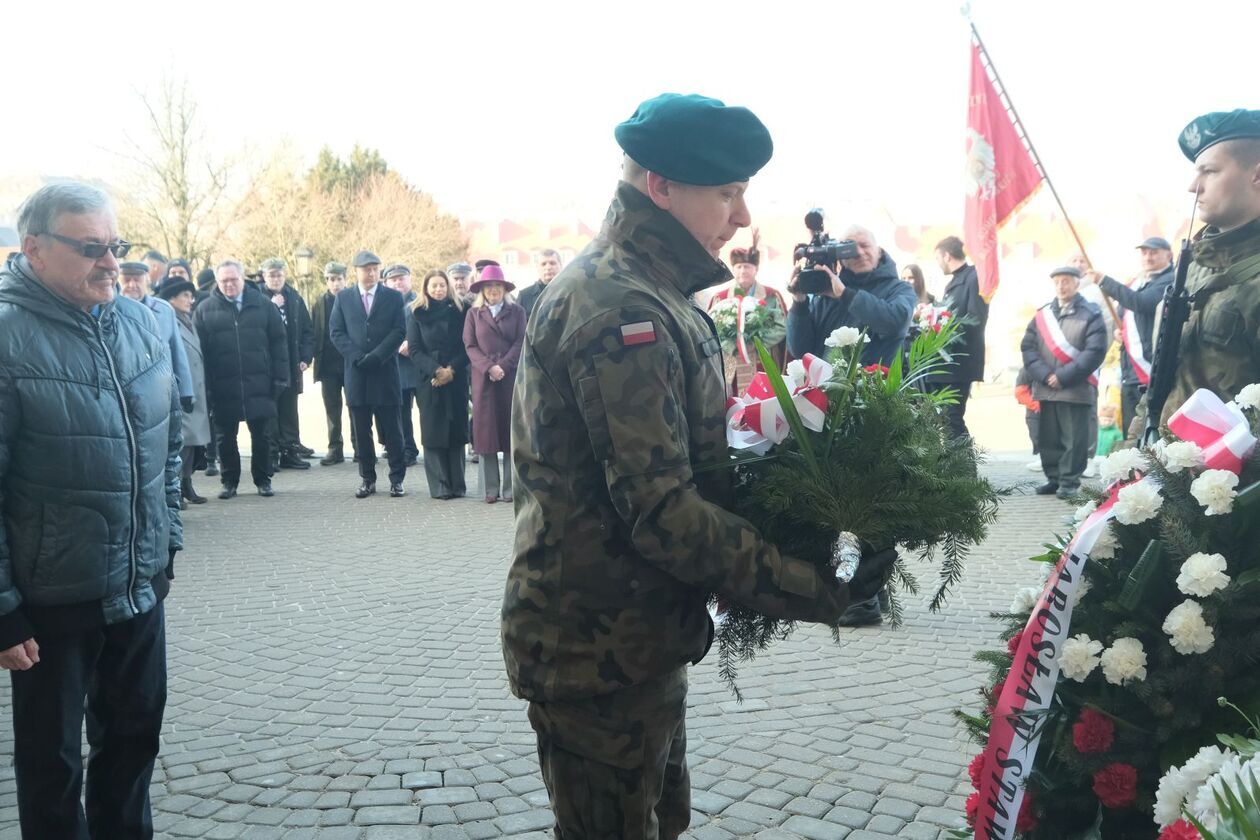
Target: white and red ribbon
(1133, 348)
(1019, 710)
(1052, 335)
(757, 421)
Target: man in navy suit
(367, 325)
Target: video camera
(820, 250)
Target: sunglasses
(93, 250)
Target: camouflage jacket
(1220, 343)
(619, 394)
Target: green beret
(693, 139)
(334, 267)
(273, 264)
(366, 258)
(1208, 130)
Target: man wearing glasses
(90, 473)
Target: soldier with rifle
(1209, 333)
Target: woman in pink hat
(493, 333)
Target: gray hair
(41, 210)
(230, 264)
(852, 229)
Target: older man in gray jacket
(89, 466)
(1063, 348)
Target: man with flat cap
(460, 273)
(620, 394)
(133, 283)
(1220, 343)
(328, 365)
(287, 449)
(1063, 348)
(367, 325)
(1139, 302)
(398, 278)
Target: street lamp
(304, 256)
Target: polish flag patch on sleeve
(643, 332)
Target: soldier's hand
(872, 574)
(21, 657)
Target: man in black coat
(1136, 330)
(367, 326)
(548, 268)
(244, 346)
(398, 278)
(329, 366)
(288, 451)
(962, 299)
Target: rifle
(1173, 316)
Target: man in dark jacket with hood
(962, 299)
(288, 451)
(1063, 347)
(867, 294)
(244, 346)
(89, 469)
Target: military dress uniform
(619, 396)
(1220, 343)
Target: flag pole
(1032, 150)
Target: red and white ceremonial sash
(1052, 336)
(1133, 347)
(1224, 435)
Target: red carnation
(1094, 732)
(994, 694)
(1013, 644)
(973, 808)
(761, 303)
(1180, 830)
(975, 769)
(876, 369)
(1116, 785)
(1027, 820)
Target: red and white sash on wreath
(1133, 348)
(1224, 435)
(1052, 336)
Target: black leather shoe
(366, 489)
(1067, 492)
(193, 499)
(1048, 489)
(397, 491)
(211, 470)
(304, 451)
(291, 461)
(862, 614)
(265, 490)
(332, 458)
(227, 492)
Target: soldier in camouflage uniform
(620, 394)
(1220, 344)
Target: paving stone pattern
(335, 674)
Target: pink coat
(493, 341)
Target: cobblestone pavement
(335, 673)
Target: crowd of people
(113, 374)
(242, 343)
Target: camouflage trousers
(616, 765)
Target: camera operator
(867, 294)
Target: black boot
(189, 494)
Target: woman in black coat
(435, 338)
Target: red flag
(1000, 173)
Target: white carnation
(1182, 782)
(796, 373)
(1079, 657)
(1215, 491)
(844, 337)
(1187, 630)
(1081, 588)
(1124, 661)
(1085, 511)
(1138, 503)
(1119, 464)
(1202, 574)
(1025, 599)
(1249, 397)
(1105, 544)
(1181, 455)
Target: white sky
(507, 108)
